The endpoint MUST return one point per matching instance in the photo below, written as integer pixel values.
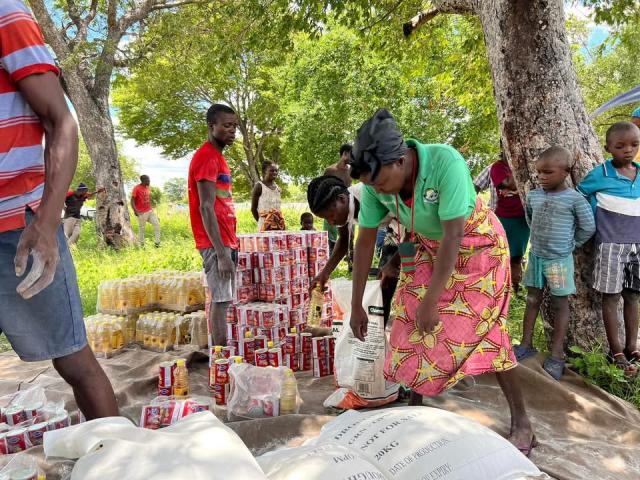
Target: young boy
(306, 221)
(613, 189)
(560, 220)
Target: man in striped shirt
(40, 310)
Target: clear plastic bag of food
(21, 466)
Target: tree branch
(52, 34)
(148, 6)
(441, 6)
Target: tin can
(59, 421)
(320, 367)
(15, 415)
(231, 314)
(32, 411)
(330, 343)
(262, 357)
(151, 416)
(291, 343)
(267, 318)
(220, 393)
(306, 343)
(3, 443)
(165, 377)
(221, 371)
(292, 361)
(165, 391)
(248, 350)
(29, 473)
(318, 347)
(3, 417)
(260, 342)
(330, 364)
(36, 433)
(275, 357)
(306, 362)
(228, 351)
(17, 440)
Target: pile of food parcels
(164, 290)
(24, 418)
(156, 331)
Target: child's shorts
(617, 267)
(556, 273)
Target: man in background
(141, 205)
(72, 211)
(40, 309)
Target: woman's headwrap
(378, 142)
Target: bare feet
(523, 439)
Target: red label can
(16, 440)
(248, 349)
(165, 391)
(306, 361)
(318, 347)
(330, 362)
(220, 393)
(275, 357)
(291, 343)
(36, 433)
(330, 343)
(221, 371)
(305, 343)
(228, 352)
(32, 411)
(151, 416)
(292, 360)
(262, 357)
(260, 342)
(3, 443)
(320, 367)
(165, 378)
(59, 421)
(15, 415)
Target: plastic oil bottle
(288, 393)
(103, 339)
(316, 301)
(181, 380)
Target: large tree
(87, 36)
(539, 104)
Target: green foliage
(84, 170)
(175, 190)
(155, 196)
(614, 12)
(596, 368)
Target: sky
(160, 168)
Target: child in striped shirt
(560, 220)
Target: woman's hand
(427, 316)
(358, 323)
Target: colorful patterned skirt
(471, 337)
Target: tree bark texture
(539, 104)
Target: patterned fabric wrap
(272, 220)
(471, 337)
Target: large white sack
(321, 462)
(359, 366)
(427, 443)
(198, 447)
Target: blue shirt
(559, 221)
(615, 200)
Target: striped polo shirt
(22, 53)
(615, 200)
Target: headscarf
(378, 142)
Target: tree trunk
(112, 211)
(539, 104)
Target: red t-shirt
(141, 198)
(209, 164)
(508, 204)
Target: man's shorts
(617, 267)
(222, 289)
(49, 324)
(556, 273)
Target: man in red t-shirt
(213, 218)
(141, 205)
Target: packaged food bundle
(181, 292)
(244, 278)
(316, 267)
(316, 238)
(121, 297)
(296, 240)
(24, 418)
(299, 256)
(271, 259)
(266, 242)
(162, 331)
(317, 254)
(232, 314)
(198, 329)
(245, 261)
(21, 467)
(107, 335)
(247, 243)
(165, 411)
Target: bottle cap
(247, 335)
(217, 348)
(270, 344)
(294, 330)
(238, 359)
(180, 362)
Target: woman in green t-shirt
(452, 298)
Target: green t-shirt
(444, 191)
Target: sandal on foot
(620, 361)
(523, 352)
(554, 367)
(526, 451)
(633, 357)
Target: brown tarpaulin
(584, 433)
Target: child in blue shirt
(560, 220)
(613, 189)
